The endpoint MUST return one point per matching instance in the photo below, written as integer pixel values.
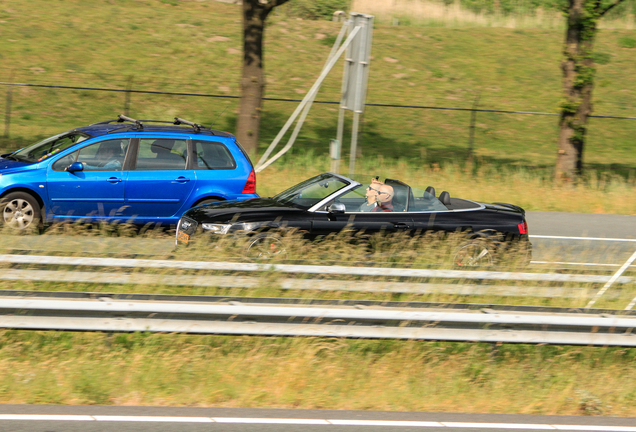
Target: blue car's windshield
(48, 147)
(310, 192)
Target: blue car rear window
(211, 155)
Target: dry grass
(422, 12)
(173, 370)
(532, 190)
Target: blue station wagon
(125, 170)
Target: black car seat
(430, 190)
(402, 194)
(165, 157)
(109, 151)
(444, 197)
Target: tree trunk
(253, 78)
(578, 80)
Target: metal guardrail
(470, 282)
(272, 317)
(311, 269)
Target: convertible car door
(449, 221)
(369, 223)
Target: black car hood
(226, 210)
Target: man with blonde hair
(371, 196)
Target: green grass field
(195, 47)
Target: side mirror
(336, 208)
(75, 166)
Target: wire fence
(129, 91)
(78, 100)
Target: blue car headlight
(216, 228)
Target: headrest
(161, 146)
(444, 197)
(114, 146)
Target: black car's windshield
(48, 147)
(311, 191)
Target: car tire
(266, 245)
(475, 253)
(20, 211)
(206, 201)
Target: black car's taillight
(523, 227)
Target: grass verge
(178, 370)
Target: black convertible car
(330, 203)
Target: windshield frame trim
(339, 192)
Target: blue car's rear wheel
(20, 211)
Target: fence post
(7, 114)
(471, 132)
(127, 101)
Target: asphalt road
(582, 237)
(42, 418)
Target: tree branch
(271, 4)
(610, 7)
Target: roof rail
(122, 118)
(178, 121)
(139, 124)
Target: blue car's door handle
(182, 179)
(113, 180)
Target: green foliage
(568, 106)
(627, 42)
(601, 58)
(584, 76)
(530, 7)
(329, 40)
(509, 7)
(314, 9)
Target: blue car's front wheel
(20, 211)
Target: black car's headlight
(216, 228)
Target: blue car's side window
(212, 155)
(162, 154)
(102, 156)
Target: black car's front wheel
(475, 252)
(266, 245)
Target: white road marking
(384, 423)
(154, 419)
(270, 421)
(325, 422)
(574, 263)
(582, 238)
(46, 417)
(497, 425)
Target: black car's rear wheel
(20, 211)
(475, 252)
(266, 245)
